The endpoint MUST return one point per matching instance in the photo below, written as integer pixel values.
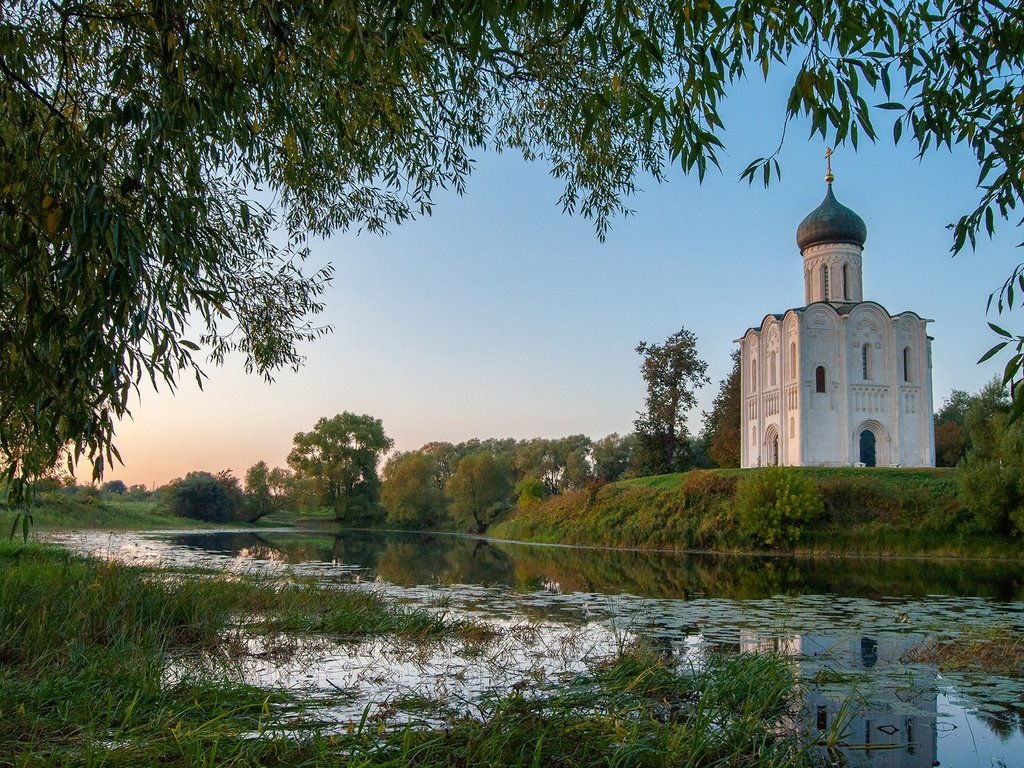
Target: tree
(149, 151)
(991, 475)
(480, 489)
(610, 455)
(559, 464)
(266, 490)
(671, 372)
(339, 456)
(951, 441)
(410, 492)
(722, 425)
(115, 486)
(201, 496)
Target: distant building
(839, 381)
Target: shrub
(202, 496)
(530, 491)
(773, 505)
(701, 484)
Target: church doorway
(772, 439)
(867, 448)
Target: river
(851, 626)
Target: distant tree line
(335, 468)
(338, 468)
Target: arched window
(865, 361)
(846, 282)
(824, 282)
(819, 379)
(792, 360)
(906, 364)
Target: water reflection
(408, 559)
(862, 705)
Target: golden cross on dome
(829, 178)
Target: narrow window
(819, 379)
(906, 364)
(792, 360)
(865, 361)
(824, 282)
(846, 282)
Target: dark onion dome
(831, 222)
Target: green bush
(774, 503)
(994, 493)
(202, 496)
(530, 491)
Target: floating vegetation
(997, 650)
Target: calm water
(849, 625)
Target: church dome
(831, 222)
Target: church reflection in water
(862, 705)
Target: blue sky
(500, 316)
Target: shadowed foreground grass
(85, 646)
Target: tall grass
(638, 709)
(85, 645)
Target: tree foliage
(410, 491)
(339, 458)
(480, 489)
(610, 456)
(992, 472)
(560, 464)
(203, 496)
(148, 151)
(722, 425)
(266, 490)
(672, 371)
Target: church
(839, 381)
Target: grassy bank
(876, 511)
(85, 647)
(66, 513)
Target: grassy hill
(858, 511)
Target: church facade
(839, 381)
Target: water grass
(992, 650)
(85, 647)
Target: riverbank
(848, 511)
(109, 664)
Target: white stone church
(840, 381)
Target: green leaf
(992, 352)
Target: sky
(502, 316)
